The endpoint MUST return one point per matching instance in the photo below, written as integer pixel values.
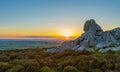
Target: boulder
(103, 45)
(110, 49)
(116, 33)
(92, 37)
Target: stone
(92, 37)
(81, 48)
(103, 45)
(108, 49)
(92, 27)
(116, 33)
(76, 47)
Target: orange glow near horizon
(66, 33)
(60, 36)
(52, 33)
(63, 33)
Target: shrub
(96, 70)
(83, 52)
(110, 71)
(13, 56)
(17, 68)
(46, 69)
(70, 69)
(31, 68)
(86, 63)
(117, 66)
(67, 61)
(5, 66)
(95, 50)
(112, 45)
(3, 57)
(34, 60)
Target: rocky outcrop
(93, 37)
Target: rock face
(93, 36)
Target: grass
(38, 60)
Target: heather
(39, 60)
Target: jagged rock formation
(93, 36)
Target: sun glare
(66, 33)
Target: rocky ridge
(93, 37)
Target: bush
(112, 45)
(110, 71)
(96, 70)
(34, 60)
(17, 68)
(86, 63)
(68, 61)
(46, 69)
(117, 67)
(31, 68)
(70, 69)
(5, 66)
(3, 57)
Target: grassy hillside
(38, 60)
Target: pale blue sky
(46, 17)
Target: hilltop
(79, 55)
(93, 37)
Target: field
(26, 44)
(38, 60)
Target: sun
(66, 33)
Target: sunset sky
(55, 17)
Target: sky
(55, 17)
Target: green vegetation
(46, 69)
(70, 69)
(38, 60)
(112, 45)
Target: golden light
(67, 33)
